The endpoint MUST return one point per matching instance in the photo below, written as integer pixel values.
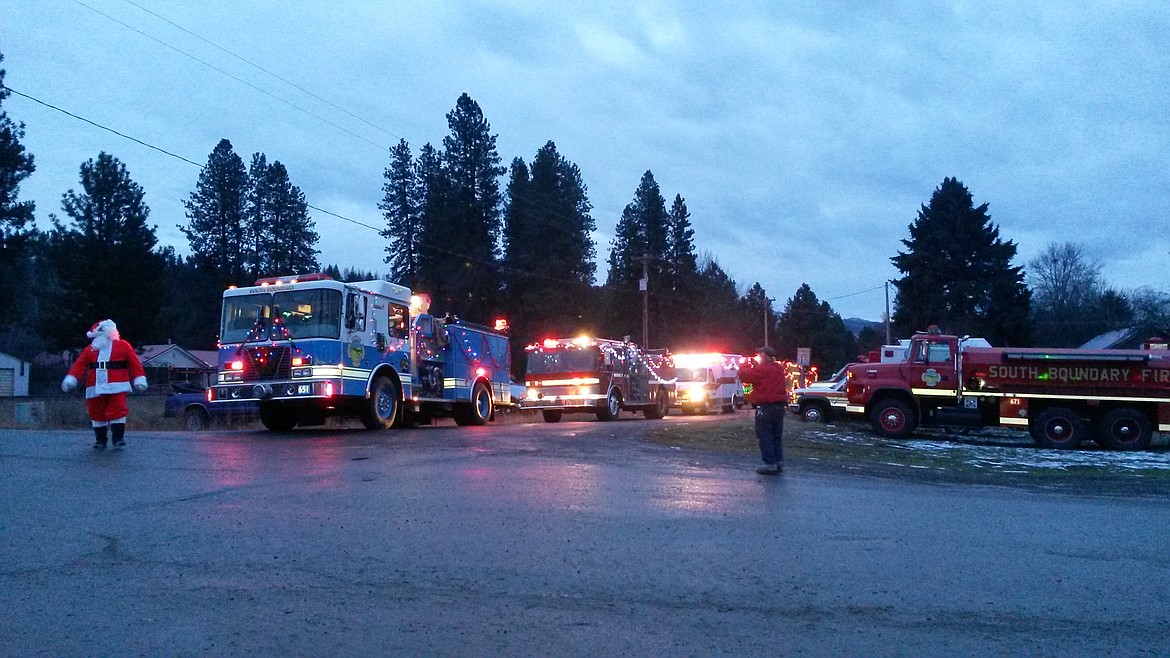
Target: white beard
(102, 342)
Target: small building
(167, 364)
(13, 376)
(1129, 338)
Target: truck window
(312, 313)
(932, 352)
(355, 312)
(396, 328)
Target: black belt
(109, 365)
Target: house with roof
(167, 364)
(13, 376)
(1130, 338)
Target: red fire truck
(1062, 396)
(595, 375)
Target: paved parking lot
(535, 539)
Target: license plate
(303, 389)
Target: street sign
(803, 356)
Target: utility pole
(767, 307)
(644, 284)
(888, 339)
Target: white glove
(69, 383)
(140, 384)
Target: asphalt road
(567, 539)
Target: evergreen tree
(808, 322)
(17, 233)
(256, 229)
(869, 340)
(216, 210)
(639, 246)
(104, 260)
(714, 320)
(548, 248)
(401, 209)
(291, 241)
(757, 307)
(958, 272)
(190, 313)
(681, 261)
(461, 225)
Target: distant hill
(855, 325)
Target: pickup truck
(820, 402)
(189, 402)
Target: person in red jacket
(111, 370)
(770, 396)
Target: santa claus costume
(111, 369)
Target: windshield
(691, 374)
(543, 362)
(295, 314)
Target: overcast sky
(804, 136)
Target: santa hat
(106, 327)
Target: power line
(233, 77)
(261, 68)
(98, 125)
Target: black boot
(99, 434)
(119, 432)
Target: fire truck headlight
(584, 390)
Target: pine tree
(757, 306)
(400, 208)
(639, 246)
(17, 233)
(462, 237)
(104, 260)
(548, 248)
(958, 272)
(216, 210)
(809, 322)
(256, 230)
(431, 193)
(291, 244)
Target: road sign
(803, 356)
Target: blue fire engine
(310, 347)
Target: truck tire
(660, 407)
(1125, 429)
(196, 418)
(613, 406)
(729, 407)
(381, 409)
(814, 413)
(1059, 428)
(552, 415)
(277, 417)
(893, 419)
(479, 410)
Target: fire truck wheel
(893, 419)
(660, 407)
(552, 415)
(196, 418)
(613, 406)
(813, 413)
(1058, 427)
(479, 411)
(277, 417)
(381, 410)
(1126, 429)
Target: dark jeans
(770, 431)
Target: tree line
(525, 252)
